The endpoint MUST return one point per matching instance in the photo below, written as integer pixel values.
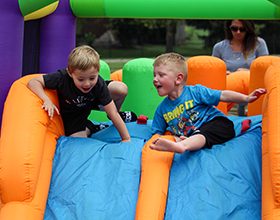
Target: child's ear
(69, 72)
(179, 78)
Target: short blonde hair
(83, 58)
(179, 62)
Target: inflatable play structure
(45, 175)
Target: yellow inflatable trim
(42, 12)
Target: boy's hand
(255, 95)
(126, 140)
(178, 139)
(50, 108)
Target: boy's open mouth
(86, 89)
(158, 86)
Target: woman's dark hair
(251, 39)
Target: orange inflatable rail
(271, 145)
(154, 182)
(257, 72)
(26, 157)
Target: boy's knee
(122, 90)
(118, 89)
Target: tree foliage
(138, 31)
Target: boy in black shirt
(80, 89)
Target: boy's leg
(194, 142)
(79, 134)
(93, 128)
(216, 131)
(118, 92)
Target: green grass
(115, 65)
(151, 51)
(193, 46)
(131, 53)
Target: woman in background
(240, 48)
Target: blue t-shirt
(188, 112)
(235, 60)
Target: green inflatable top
(159, 9)
(178, 9)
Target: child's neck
(176, 92)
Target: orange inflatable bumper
(116, 76)
(155, 169)
(257, 73)
(208, 71)
(271, 145)
(27, 147)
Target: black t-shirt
(71, 99)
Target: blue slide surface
(98, 178)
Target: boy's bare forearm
(38, 88)
(231, 96)
(117, 121)
(36, 85)
(235, 97)
(121, 127)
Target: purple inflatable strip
(11, 46)
(58, 38)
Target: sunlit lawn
(193, 46)
(151, 51)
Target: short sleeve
(207, 96)
(103, 92)
(159, 125)
(217, 50)
(54, 80)
(261, 49)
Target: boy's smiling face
(164, 79)
(84, 80)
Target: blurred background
(118, 40)
(134, 38)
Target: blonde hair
(178, 61)
(83, 58)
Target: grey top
(235, 60)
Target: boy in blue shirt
(188, 111)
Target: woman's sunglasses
(235, 29)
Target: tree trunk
(170, 35)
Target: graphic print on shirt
(80, 101)
(185, 124)
(182, 118)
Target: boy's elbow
(29, 84)
(35, 82)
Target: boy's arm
(236, 97)
(112, 112)
(37, 86)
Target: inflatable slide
(45, 175)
